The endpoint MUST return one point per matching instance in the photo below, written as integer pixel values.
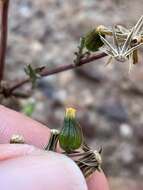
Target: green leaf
(32, 73)
(29, 108)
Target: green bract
(70, 137)
(93, 41)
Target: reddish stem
(47, 72)
(3, 42)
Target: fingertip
(33, 169)
(97, 181)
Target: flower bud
(70, 137)
(93, 41)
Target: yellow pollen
(70, 112)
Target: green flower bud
(93, 41)
(70, 137)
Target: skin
(33, 169)
(14, 156)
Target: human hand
(28, 167)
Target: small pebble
(126, 130)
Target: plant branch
(46, 72)
(3, 41)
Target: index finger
(11, 122)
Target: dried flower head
(120, 52)
(125, 43)
(88, 160)
(17, 139)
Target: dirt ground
(108, 99)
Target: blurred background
(108, 99)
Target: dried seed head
(98, 157)
(89, 161)
(101, 29)
(121, 52)
(17, 139)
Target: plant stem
(46, 72)
(3, 41)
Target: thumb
(26, 167)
